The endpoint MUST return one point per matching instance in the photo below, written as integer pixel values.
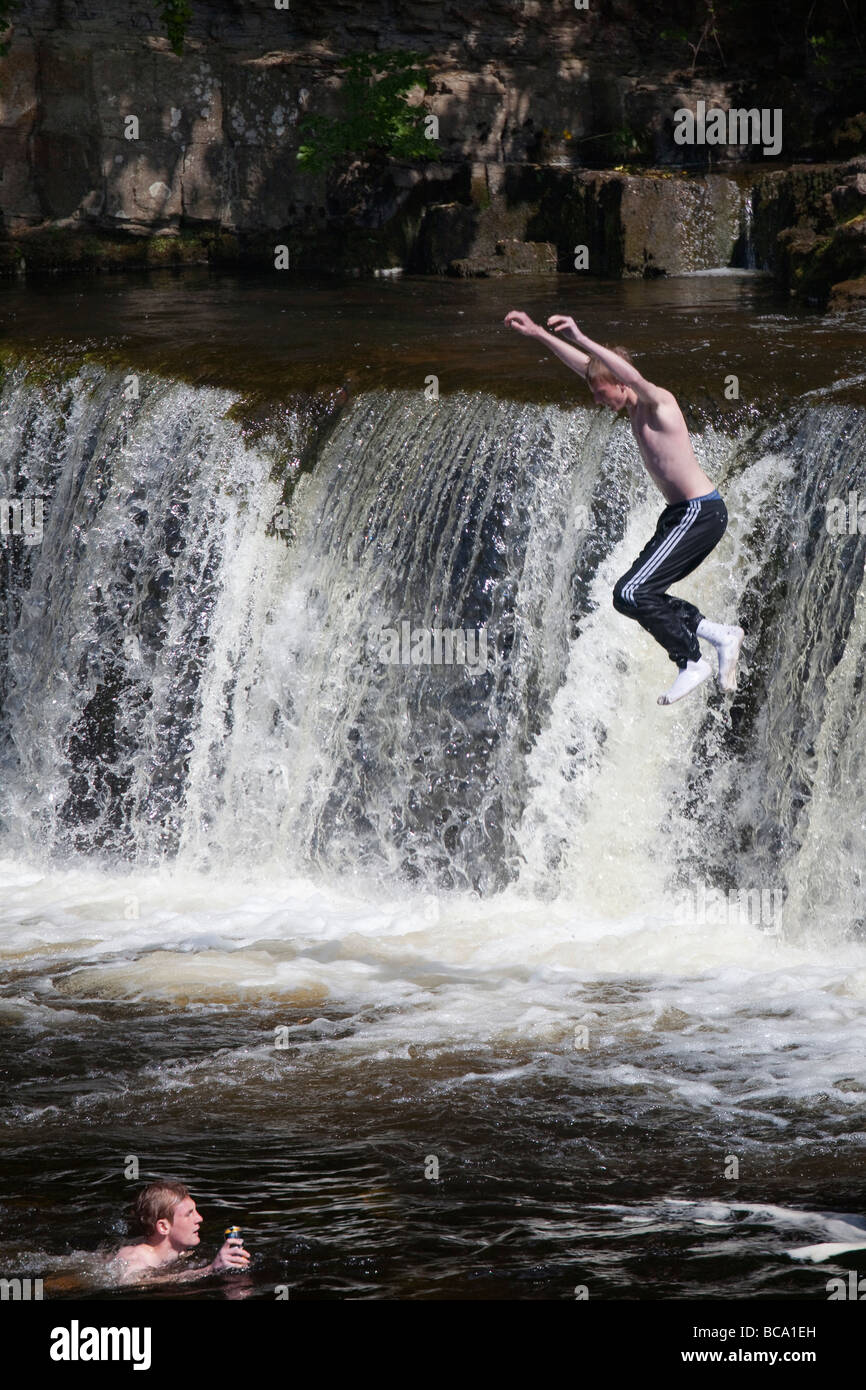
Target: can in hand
(233, 1233)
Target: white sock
(717, 633)
(727, 642)
(693, 674)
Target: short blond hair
(597, 371)
(156, 1202)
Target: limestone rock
(848, 294)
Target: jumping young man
(690, 526)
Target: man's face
(185, 1222)
(609, 393)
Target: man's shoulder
(664, 406)
(662, 396)
(133, 1254)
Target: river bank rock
(848, 294)
(555, 143)
(811, 228)
(604, 222)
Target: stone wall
(532, 96)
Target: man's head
(165, 1210)
(605, 388)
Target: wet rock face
(218, 130)
(600, 222)
(486, 236)
(104, 129)
(671, 225)
(848, 294)
(812, 230)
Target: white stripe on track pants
(685, 535)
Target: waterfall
(457, 513)
(793, 780)
(750, 258)
(744, 251)
(148, 504)
(182, 681)
(707, 224)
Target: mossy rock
(848, 294)
(837, 257)
(66, 248)
(850, 136)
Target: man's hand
(523, 323)
(231, 1255)
(577, 361)
(561, 323)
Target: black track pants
(685, 535)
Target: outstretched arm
(572, 357)
(622, 370)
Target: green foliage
(820, 44)
(176, 16)
(377, 116)
(629, 143)
(728, 34)
(625, 140)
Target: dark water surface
(271, 336)
(546, 1180)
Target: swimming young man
(165, 1214)
(692, 523)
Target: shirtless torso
(663, 440)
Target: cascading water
(149, 506)
(799, 809)
(416, 514)
(750, 255)
(180, 679)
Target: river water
(440, 980)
